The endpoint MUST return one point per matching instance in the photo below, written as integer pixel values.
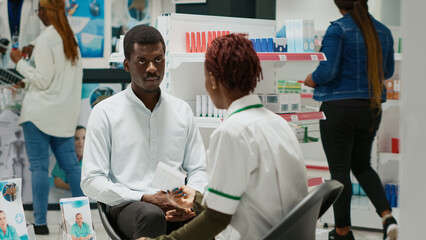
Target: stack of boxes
(269, 44)
(197, 42)
(300, 34)
(393, 87)
(391, 190)
(204, 107)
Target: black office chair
(107, 225)
(301, 222)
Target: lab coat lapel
(5, 19)
(25, 12)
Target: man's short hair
(141, 34)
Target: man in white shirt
(127, 136)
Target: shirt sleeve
(40, 76)
(95, 181)
(230, 165)
(332, 45)
(194, 162)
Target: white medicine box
(279, 103)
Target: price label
(283, 58)
(314, 57)
(294, 118)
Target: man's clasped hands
(176, 204)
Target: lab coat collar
(47, 29)
(132, 96)
(243, 102)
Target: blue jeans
(37, 146)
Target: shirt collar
(130, 94)
(48, 29)
(245, 101)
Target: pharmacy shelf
(208, 122)
(385, 157)
(304, 116)
(307, 95)
(176, 59)
(390, 103)
(291, 57)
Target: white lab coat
(30, 27)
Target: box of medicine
(284, 102)
(264, 45)
(272, 102)
(396, 89)
(204, 105)
(289, 31)
(198, 105)
(295, 102)
(210, 108)
(301, 35)
(258, 45)
(311, 30)
(389, 89)
(262, 98)
(278, 103)
(280, 44)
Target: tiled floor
(361, 233)
(54, 223)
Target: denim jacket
(344, 74)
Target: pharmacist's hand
(16, 55)
(162, 200)
(309, 82)
(179, 215)
(184, 196)
(27, 51)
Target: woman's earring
(214, 87)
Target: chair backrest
(301, 222)
(105, 222)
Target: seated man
(129, 133)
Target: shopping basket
(11, 96)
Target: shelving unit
(176, 59)
(385, 157)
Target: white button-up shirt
(125, 141)
(53, 84)
(256, 169)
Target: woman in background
(59, 175)
(360, 57)
(255, 164)
(51, 106)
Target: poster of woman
(77, 219)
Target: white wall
(323, 11)
(413, 115)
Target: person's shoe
(390, 228)
(334, 236)
(41, 229)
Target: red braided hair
(233, 61)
